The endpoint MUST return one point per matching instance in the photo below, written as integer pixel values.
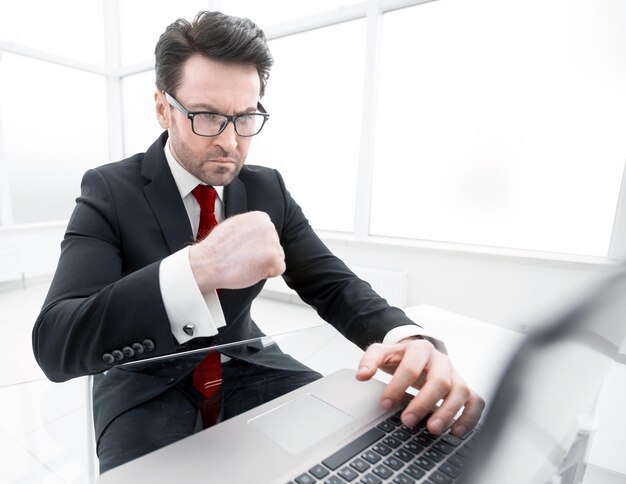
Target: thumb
(370, 361)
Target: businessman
(167, 250)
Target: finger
(471, 415)
(407, 373)
(436, 387)
(376, 356)
(444, 415)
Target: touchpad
(301, 423)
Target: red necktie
(207, 376)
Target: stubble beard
(211, 173)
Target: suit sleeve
(325, 282)
(93, 307)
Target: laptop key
(360, 465)
(457, 460)
(434, 455)
(371, 457)
(412, 431)
(395, 419)
(439, 478)
(450, 470)
(355, 447)
(394, 463)
(401, 435)
(424, 463)
(403, 479)
(383, 471)
(382, 449)
(414, 471)
(370, 479)
(386, 426)
(319, 471)
(392, 442)
(348, 474)
(334, 480)
(453, 440)
(403, 455)
(422, 440)
(443, 447)
(464, 452)
(413, 447)
(305, 479)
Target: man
(131, 283)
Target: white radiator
(10, 265)
(392, 285)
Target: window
(502, 129)
(141, 127)
(314, 96)
(54, 129)
(143, 21)
(270, 12)
(68, 28)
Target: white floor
(44, 426)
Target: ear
(162, 109)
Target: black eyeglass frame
(229, 119)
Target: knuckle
(443, 384)
(464, 392)
(413, 373)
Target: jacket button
(170, 381)
(128, 352)
(108, 358)
(137, 348)
(148, 345)
(118, 355)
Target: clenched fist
(238, 253)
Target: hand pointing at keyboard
(416, 363)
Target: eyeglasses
(206, 123)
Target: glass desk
(48, 426)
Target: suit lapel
(235, 199)
(164, 198)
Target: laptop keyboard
(393, 453)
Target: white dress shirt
(183, 301)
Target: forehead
(211, 81)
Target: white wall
(33, 249)
(507, 290)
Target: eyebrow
(203, 107)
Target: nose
(227, 139)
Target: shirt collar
(185, 181)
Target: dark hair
(213, 35)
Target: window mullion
(368, 122)
(114, 81)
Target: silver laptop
(333, 431)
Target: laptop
(333, 430)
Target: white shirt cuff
(184, 304)
(408, 330)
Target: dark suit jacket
(105, 294)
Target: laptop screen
(549, 391)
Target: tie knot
(205, 195)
